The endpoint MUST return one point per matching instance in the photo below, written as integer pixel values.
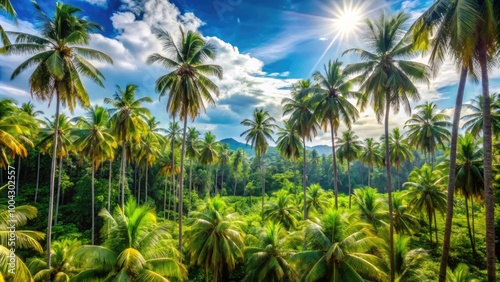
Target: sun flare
(348, 19)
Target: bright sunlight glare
(348, 20)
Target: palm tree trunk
(222, 179)
(93, 202)
(190, 182)
(181, 184)
(304, 154)
(146, 184)
(169, 200)
(473, 246)
(451, 176)
(207, 186)
(109, 184)
(429, 213)
(124, 159)
(139, 187)
(58, 190)
(335, 184)
(235, 181)
(262, 180)
(369, 176)
(37, 176)
(349, 181)
(165, 199)
(52, 178)
(489, 199)
(399, 184)
(389, 182)
(473, 224)
(435, 227)
(215, 181)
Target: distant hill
(235, 145)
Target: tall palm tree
(288, 144)
(399, 151)
(187, 84)
(136, 248)
(128, 120)
(209, 154)
(331, 105)
(261, 128)
(348, 149)
(269, 260)
(192, 152)
(60, 59)
(215, 240)
(474, 121)
(428, 128)
(371, 156)
(237, 160)
(386, 80)
(174, 134)
(95, 141)
(338, 251)
(300, 109)
(469, 177)
(426, 194)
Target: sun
(348, 19)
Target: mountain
(235, 145)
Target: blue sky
(264, 46)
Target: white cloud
(102, 3)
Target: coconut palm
(261, 128)
(284, 211)
(348, 148)
(63, 265)
(136, 248)
(128, 121)
(337, 250)
(408, 261)
(288, 144)
(474, 121)
(469, 177)
(237, 160)
(209, 154)
(317, 200)
(426, 194)
(59, 59)
(186, 84)
(215, 240)
(370, 205)
(192, 152)
(428, 129)
(95, 141)
(460, 274)
(331, 105)
(371, 156)
(300, 109)
(6, 7)
(174, 134)
(399, 151)
(269, 260)
(387, 81)
(404, 221)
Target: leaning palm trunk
(58, 191)
(335, 184)
(489, 199)
(304, 177)
(181, 184)
(389, 183)
(37, 177)
(451, 176)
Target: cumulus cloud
(102, 3)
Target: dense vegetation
(116, 197)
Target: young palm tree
(128, 120)
(261, 128)
(339, 251)
(371, 156)
(469, 177)
(192, 152)
(399, 151)
(136, 248)
(187, 84)
(288, 144)
(404, 221)
(474, 121)
(302, 118)
(317, 199)
(408, 261)
(348, 148)
(460, 274)
(209, 154)
(426, 194)
(215, 240)
(60, 60)
(95, 141)
(387, 81)
(64, 264)
(284, 211)
(371, 206)
(428, 129)
(269, 261)
(237, 160)
(331, 105)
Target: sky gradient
(264, 46)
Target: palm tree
(428, 129)
(261, 128)
(237, 160)
(348, 148)
(408, 261)
(370, 205)
(460, 274)
(469, 177)
(6, 7)
(317, 200)
(387, 80)
(192, 152)
(209, 154)
(136, 248)
(63, 267)
(302, 118)
(187, 84)
(174, 134)
(339, 251)
(128, 120)
(59, 59)
(288, 144)
(283, 211)
(371, 156)
(215, 240)
(95, 141)
(399, 151)
(331, 105)
(268, 261)
(474, 121)
(426, 194)
(404, 221)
